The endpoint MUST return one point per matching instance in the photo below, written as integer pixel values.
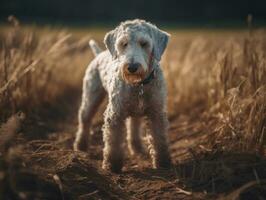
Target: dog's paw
(115, 166)
(81, 145)
(163, 162)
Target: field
(217, 111)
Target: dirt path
(50, 169)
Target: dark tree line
(116, 10)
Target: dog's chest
(137, 101)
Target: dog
(129, 73)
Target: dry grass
(221, 76)
(221, 81)
(216, 80)
(35, 69)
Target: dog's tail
(95, 48)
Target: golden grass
(217, 78)
(221, 82)
(37, 68)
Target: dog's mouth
(133, 78)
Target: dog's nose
(133, 67)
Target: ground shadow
(49, 118)
(218, 174)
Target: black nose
(133, 67)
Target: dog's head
(136, 45)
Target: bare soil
(42, 165)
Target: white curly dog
(129, 72)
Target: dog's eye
(124, 44)
(144, 44)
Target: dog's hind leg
(134, 136)
(92, 95)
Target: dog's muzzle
(133, 73)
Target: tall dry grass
(36, 68)
(218, 79)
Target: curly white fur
(135, 41)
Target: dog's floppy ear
(109, 41)
(160, 41)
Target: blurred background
(215, 67)
(206, 13)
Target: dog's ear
(109, 41)
(160, 41)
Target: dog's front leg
(113, 136)
(158, 125)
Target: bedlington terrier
(130, 74)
